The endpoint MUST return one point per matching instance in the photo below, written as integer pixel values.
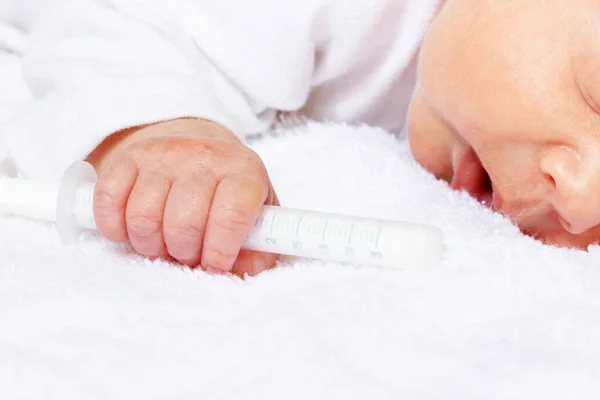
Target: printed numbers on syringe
(300, 232)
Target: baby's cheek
(433, 142)
(476, 68)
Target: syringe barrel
(345, 238)
(83, 206)
(28, 199)
(278, 230)
(318, 235)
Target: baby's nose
(576, 187)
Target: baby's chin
(549, 231)
(566, 239)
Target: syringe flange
(75, 176)
(49, 202)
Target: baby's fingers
(145, 212)
(110, 200)
(237, 202)
(186, 213)
(254, 262)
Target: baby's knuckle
(165, 153)
(110, 229)
(182, 252)
(105, 199)
(150, 249)
(253, 161)
(218, 256)
(252, 171)
(197, 161)
(202, 174)
(233, 219)
(144, 226)
(202, 151)
(182, 236)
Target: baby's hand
(186, 189)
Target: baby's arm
(97, 67)
(112, 78)
(124, 87)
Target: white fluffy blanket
(504, 317)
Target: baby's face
(509, 92)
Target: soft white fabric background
(13, 92)
(504, 317)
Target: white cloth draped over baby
(98, 66)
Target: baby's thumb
(253, 263)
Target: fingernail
(214, 271)
(258, 266)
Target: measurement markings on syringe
(272, 228)
(323, 247)
(365, 235)
(350, 249)
(350, 235)
(376, 253)
(289, 224)
(297, 244)
(271, 239)
(84, 201)
(378, 236)
(301, 232)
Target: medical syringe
(279, 230)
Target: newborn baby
(500, 97)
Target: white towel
(503, 317)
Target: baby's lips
(469, 174)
